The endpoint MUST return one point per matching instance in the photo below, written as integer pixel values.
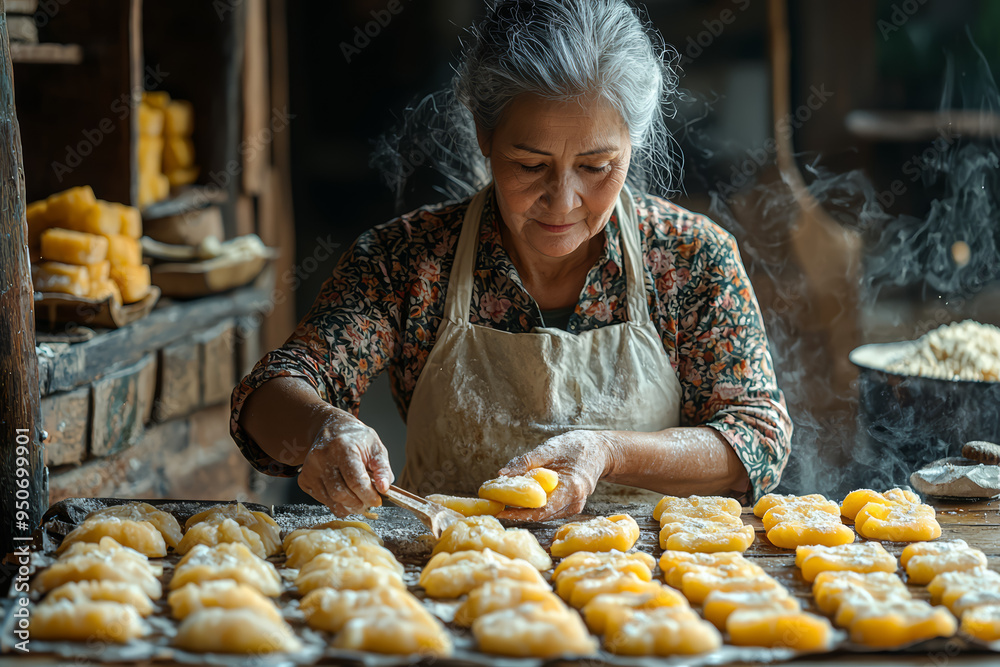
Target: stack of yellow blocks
(166, 152)
(86, 247)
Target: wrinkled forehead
(585, 122)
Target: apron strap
(635, 285)
(459, 297)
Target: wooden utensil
(432, 515)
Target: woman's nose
(561, 194)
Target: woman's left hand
(580, 457)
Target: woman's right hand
(347, 465)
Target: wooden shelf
(191, 199)
(922, 125)
(46, 54)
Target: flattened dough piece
(105, 561)
(330, 609)
(468, 506)
(221, 530)
(594, 559)
(305, 548)
(613, 533)
(141, 536)
(226, 561)
(111, 591)
(357, 532)
(451, 575)
(531, 630)
(86, 620)
(224, 593)
(516, 491)
(662, 631)
(599, 609)
(701, 507)
(504, 594)
(485, 532)
(259, 522)
(219, 630)
(165, 522)
(346, 572)
(383, 630)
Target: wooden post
(23, 484)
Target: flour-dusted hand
(347, 464)
(581, 458)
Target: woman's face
(558, 167)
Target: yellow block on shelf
(124, 251)
(132, 281)
(179, 120)
(71, 207)
(62, 278)
(71, 247)
(103, 289)
(150, 120)
(150, 154)
(184, 176)
(178, 153)
(152, 188)
(98, 218)
(99, 272)
(158, 99)
(131, 220)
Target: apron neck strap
(459, 297)
(635, 284)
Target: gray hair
(557, 49)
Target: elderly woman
(557, 318)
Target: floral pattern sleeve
(723, 362)
(343, 343)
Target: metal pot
(907, 421)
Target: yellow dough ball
(165, 522)
(982, 623)
(663, 631)
(504, 594)
(799, 631)
(515, 491)
(486, 532)
(226, 561)
(897, 523)
(855, 500)
(531, 630)
(732, 565)
(858, 557)
(142, 536)
(106, 560)
(86, 621)
(701, 507)
(894, 623)
(567, 582)
(330, 609)
(111, 591)
(599, 609)
(618, 532)
(347, 572)
(818, 528)
(719, 605)
(393, 631)
(697, 586)
(925, 560)
(259, 522)
(773, 500)
(636, 561)
(548, 479)
(220, 630)
(224, 593)
(449, 575)
(468, 506)
(954, 584)
(719, 533)
(357, 532)
(221, 530)
(831, 588)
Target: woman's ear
(483, 138)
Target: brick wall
(154, 421)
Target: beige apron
(486, 396)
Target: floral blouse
(381, 308)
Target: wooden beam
(23, 489)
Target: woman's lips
(555, 229)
